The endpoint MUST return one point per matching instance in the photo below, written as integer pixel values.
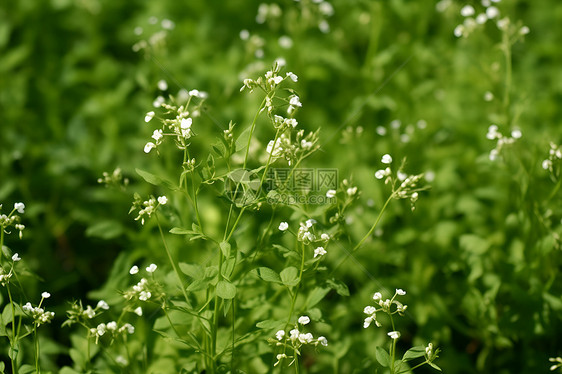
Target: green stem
(506, 44)
(13, 341)
(36, 343)
(252, 128)
(170, 258)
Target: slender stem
(170, 258)
(13, 342)
(508, 74)
(36, 343)
(252, 128)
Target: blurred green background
(479, 257)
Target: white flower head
(20, 207)
(138, 311)
(304, 320)
(467, 11)
(323, 341)
(306, 338)
(45, 295)
(400, 292)
(280, 334)
(134, 270)
(16, 257)
(151, 268)
(283, 226)
(103, 305)
(377, 296)
(148, 117)
(162, 200)
(292, 76)
(162, 84)
(386, 159)
(330, 194)
(148, 147)
(394, 334)
(320, 251)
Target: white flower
(546, 164)
(121, 360)
(394, 334)
(89, 312)
(144, 295)
(320, 251)
(400, 292)
(429, 349)
(280, 334)
(481, 18)
(148, 117)
(459, 30)
(186, 123)
(157, 135)
(112, 325)
(244, 34)
(162, 200)
(380, 174)
(467, 11)
(162, 84)
(305, 338)
(100, 329)
(377, 296)
(134, 270)
(367, 322)
(138, 311)
(27, 307)
(16, 257)
(524, 30)
(103, 305)
(369, 309)
(283, 226)
(351, 191)
(516, 134)
(386, 159)
(45, 295)
(130, 328)
(285, 42)
(325, 236)
(330, 194)
(292, 76)
(151, 268)
(304, 320)
(294, 334)
(148, 147)
(322, 340)
(20, 207)
(492, 12)
(295, 101)
(157, 103)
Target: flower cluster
(159, 31)
(5, 276)
(269, 82)
(40, 316)
(12, 219)
(114, 179)
(494, 134)
(179, 126)
(293, 149)
(557, 363)
(385, 306)
(296, 338)
(78, 314)
(404, 133)
(554, 155)
(404, 186)
(147, 207)
(143, 290)
(111, 328)
(489, 12)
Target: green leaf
(270, 324)
(433, 365)
(268, 275)
(382, 357)
(290, 276)
(182, 231)
(198, 285)
(414, 352)
(228, 267)
(225, 248)
(26, 369)
(107, 229)
(242, 140)
(194, 271)
(316, 296)
(338, 286)
(155, 180)
(226, 290)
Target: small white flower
(112, 325)
(144, 295)
(323, 341)
(310, 222)
(100, 329)
(162, 200)
(292, 76)
(162, 84)
(305, 338)
(295, 101)
(516, 134)
(467, 11)
(151, 268)
(304, 320)
(89, 312)
(45, 295)
(492, 12)
(294, 334)
(186, 123)
(157, 103)
(103, 305)
(394, 334)
(369, 309)
(377, 296)
(134, 270)
(325, 236)
(400, 292)
(157, 135)
(380, 174)
(20, 207)
(330, 194)
(283, 226)
(121, 360)
(16, 257)
(27, 307)
(351, 191)
(148, 117)
(148, 147)
(320, 251)
(244, 34)
(386, 159)
(280, 334)
(546, 164)
(459, 30)
(429, 349)
(138, 311)
(524, 30)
